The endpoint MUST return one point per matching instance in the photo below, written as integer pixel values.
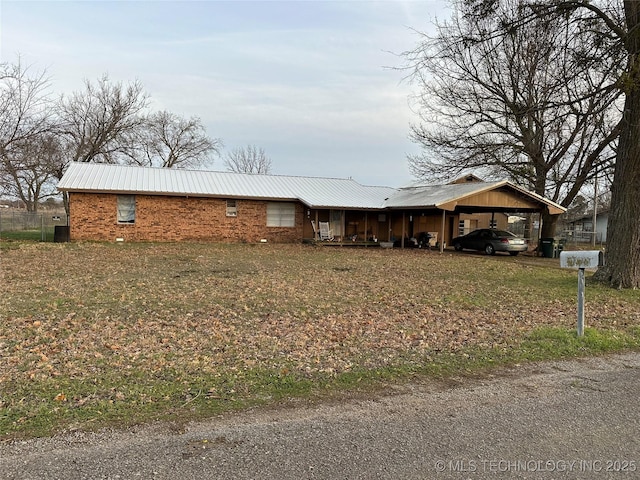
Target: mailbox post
(580, 260)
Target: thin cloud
(304, 80)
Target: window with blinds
(281, 214)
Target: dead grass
(93, 333)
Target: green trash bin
(546, 247)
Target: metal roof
(315, 192)
(436, 195)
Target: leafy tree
(249, 159)
(509, 93)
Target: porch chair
(433, 239)
(325, 231)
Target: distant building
(581, 229)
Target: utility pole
(595, 210)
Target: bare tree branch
(511, 93)
(94, 121)
(26, 146)
(249, 159)
(169, 141)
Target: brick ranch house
(129, 203)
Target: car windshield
(504, 233)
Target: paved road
(559, 420)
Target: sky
(316, 84)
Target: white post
(444, 217)
(580, 302)
(580, 260)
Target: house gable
(502, 199)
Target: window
(464, 227)
(126, 209)
(232, 208)
(281, 215)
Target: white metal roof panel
(313, 191)
(435, 195)
(439, 195)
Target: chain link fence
(17, 224)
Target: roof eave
(174, 194)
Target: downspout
(539, 232)
(404, 233)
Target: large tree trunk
(622, 259)
(549, 223)
(622, 268)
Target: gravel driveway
(556, 420)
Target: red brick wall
(93, 216)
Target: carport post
(366, 228)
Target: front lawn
(97, 334)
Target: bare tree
(94, 122)
(516, 102)
(622, 268)
(169, 141)
(103, 122)
(24, 103)
(249, 159)
(615, 25)
(28, 171)
(25, 110)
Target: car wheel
(489, 250)
(457, 247)
(513, 254)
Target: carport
(448, 202)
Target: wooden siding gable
(505, 197)
(499, 199)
